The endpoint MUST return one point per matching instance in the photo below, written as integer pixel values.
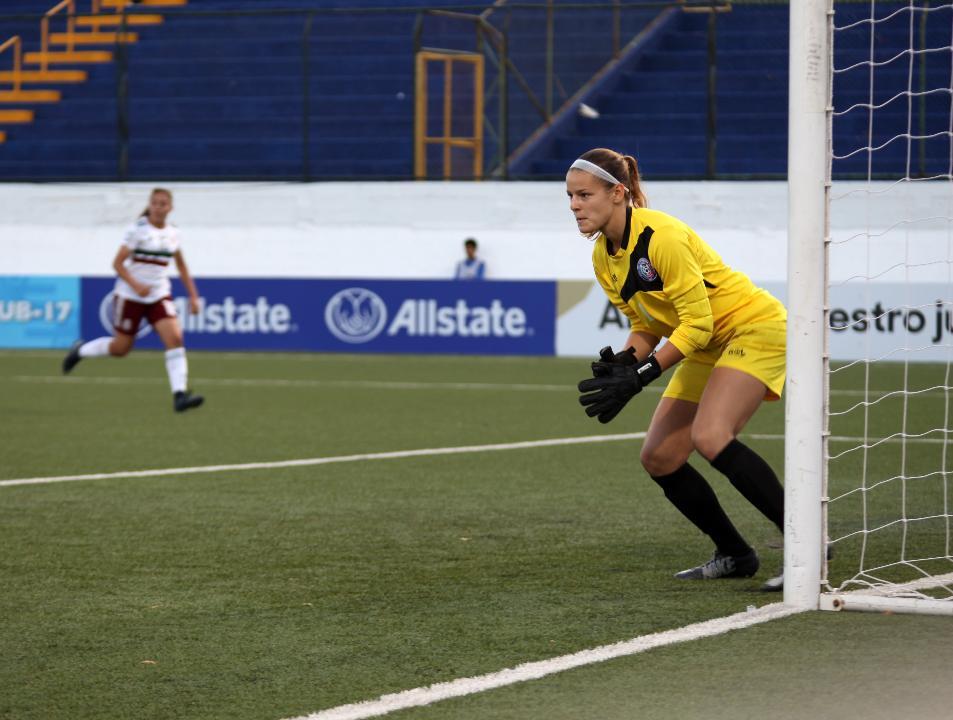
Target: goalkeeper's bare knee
(710, 440)
(658, 460)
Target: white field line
(371, 384)
(297, 383)
(535, 670)
(305, 356)
(395, 455)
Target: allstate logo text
(355, 315)
(227, 317)
(358, 315)
(427, 317)
(235, 318)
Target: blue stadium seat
(657, 109)
(258, 95)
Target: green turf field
(276, 592)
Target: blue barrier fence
(386, 316)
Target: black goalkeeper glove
(601, 368)
(607, 357)
(614, 385)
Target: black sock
(754, 479)
(688, 491)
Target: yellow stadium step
(48, 76)
(145, 3)
(97, 21)
(93, 38)
(68, 57)
(16, 117)
(29, 96)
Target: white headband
(593, 169)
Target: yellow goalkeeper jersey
(670, 283)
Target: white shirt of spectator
(468, 269)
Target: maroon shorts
(128, 314)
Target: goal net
(886, 462)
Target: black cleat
(72, 357)
(723, 566)
(183, 401)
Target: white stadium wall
(408, 230)
(374, 230)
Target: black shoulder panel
(643, 277)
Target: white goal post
(808, 170)
(894, 522)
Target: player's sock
(177, 368)
(753, 478)
(95, 348)
(688, 491)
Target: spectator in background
(470, 268)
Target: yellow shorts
(757, 349)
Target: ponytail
(634, 185)
(622, 167)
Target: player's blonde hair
(145, 213)
(623, 167)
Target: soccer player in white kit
(143, 290)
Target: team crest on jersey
(645, 270)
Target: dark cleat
(723, 566)
(72, 357)
(183, 401)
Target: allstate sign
(233, 314)
(516, 318)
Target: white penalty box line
(296, 383)
(535, 670)
(393, 455)
(306, 462)
(299, 383)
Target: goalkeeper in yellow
(725, 347)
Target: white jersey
(152, 250)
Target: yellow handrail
(447, 139)
(96, 7)
(117, 7)
(17, 45)
(45, 30)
